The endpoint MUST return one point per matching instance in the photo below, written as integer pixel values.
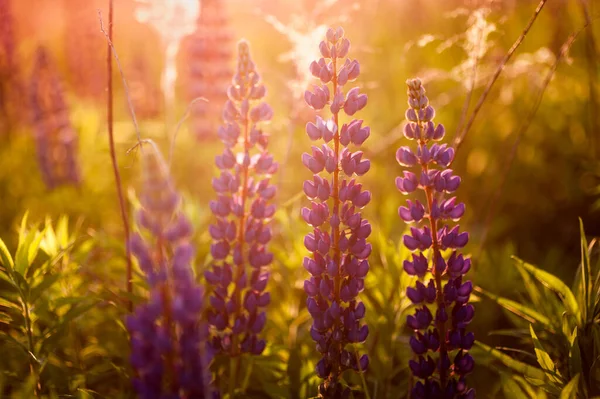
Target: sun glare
(173, 20)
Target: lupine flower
(56, 140)
(173, 20)
(86, 50)
(144, 88)
(169, 350)
(205, 60)
(338, 264)
(441, 295)
(11, 87)
(241, 232)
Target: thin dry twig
(396, 130)
(459, 138)
(467, 103)
(522, 130)
(179, 124)
(111, 142)
(113, 51)
(592, 65)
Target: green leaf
(555, 284)
(47, 282)
(570, 390)
(29, 245)
(73, 313)
(521, 368)
(586, 277)
(517, 308)
(6, 258)
(512, 389)
(543, 358)
(575, 363)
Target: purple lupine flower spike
(243, 212)
(169, 339)
(206, 56)
(441, 330)
(338, 264)
(55, 137)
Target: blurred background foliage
(527, 206)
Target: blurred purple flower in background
(56, 140)
(205, 60)
(169, 339)
(243, 211)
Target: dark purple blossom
(169, 339)
(239, 275)
(338, 264)
(441, 295)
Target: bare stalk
(592, 65)
(522, 130)
(459, 137)
(395, 131)
(111, 143)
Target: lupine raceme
(169, 339)
(440, 342)
(85, 49)
(205, 59)
(338, 243)
(56, 140)
(239, 275)
(11, 85)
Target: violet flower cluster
(11, 86)
(239, 274)
(169, 340)
(338, 264)
(207, 71)
(56, 140)
(436, 259)
(85, 51)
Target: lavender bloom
(169, 350)
(440, 283)
(85, 51)
(56, 140)
(11, 87)
(338, 264)
(241, 232)
(205, 60)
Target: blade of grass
(113, 156)
(524, 369)
(555, 284)
(517, 308)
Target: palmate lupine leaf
(6, 258)
(570, 390)
(575, 363)
(532, 373)
(544, 359)
(28, 248)
(586, 302)
(555, 284)
(514, 388)
(519, 309)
